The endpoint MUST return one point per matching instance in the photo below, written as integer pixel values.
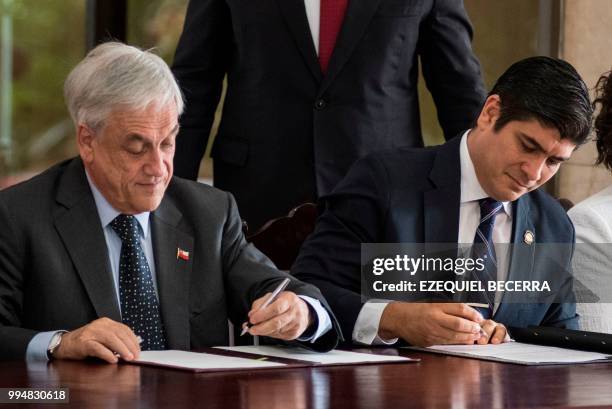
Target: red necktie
(332, 14)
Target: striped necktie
(484, 249)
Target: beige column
(586, 42)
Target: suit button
(320, 104)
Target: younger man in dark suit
(479, 187)
(109, 246)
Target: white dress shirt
(313, 13)
(368, 320)
(592, 262)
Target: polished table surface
(435, 382)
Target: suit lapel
(441, 204)
(295, 15)
(173, 272)
(358, 15)
(78, 224)
(521, 258)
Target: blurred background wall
(586, 42)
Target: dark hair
(549, 90)
(603, 122)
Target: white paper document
(519, 353)
(335, 357)
(201, 361)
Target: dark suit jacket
(55, 272)
(289, 133)
(413, 196)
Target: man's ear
(490, 113)
(85, 140)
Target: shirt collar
(108, 213)
(471, 190)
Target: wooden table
(435, 382)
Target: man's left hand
(286, 318)
(496, 333)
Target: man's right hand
(425, 324)
(102, 338)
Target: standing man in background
(314, 85)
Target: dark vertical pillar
(549, 43)
(106, 20)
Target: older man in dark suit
(108, 247)
(478, 188)
(314, 85)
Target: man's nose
(155, 163)
(533, 170)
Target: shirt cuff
(38, 346)
(321, 322)
(368, 323)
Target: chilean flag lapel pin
(182, 254)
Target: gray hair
(114, 75)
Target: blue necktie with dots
(139, 305)
(484, 248)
